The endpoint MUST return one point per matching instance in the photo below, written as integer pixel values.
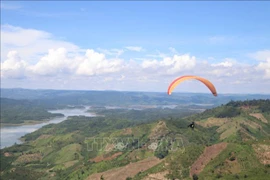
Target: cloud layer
(35, 59)
(30, 43)
(264, 64)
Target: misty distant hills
(81, 97)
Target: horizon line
(176, 92)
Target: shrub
(195, 177)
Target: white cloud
(17, 36)
(150, 63)
(106, 79)
(260, 55)
(172, 65)
(57, 69)
(121, 78)
(29, 42)
(96, 63)
(61, 64)
(221, 72)
(54, 57)
(264, 65)
(224, 64)
(54, 62)
(111, 52)
(134, 48)
(13, 67)
(57, 62)
(173, 50)
(10, 6)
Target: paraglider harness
(192, 125)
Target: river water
(11, 134)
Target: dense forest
(262, 104)
(18, 111)
(146, 115)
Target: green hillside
(19, 111)
(231, 141)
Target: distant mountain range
(76, 97)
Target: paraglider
(191, 125)
(206, 82)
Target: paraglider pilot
(191, 125)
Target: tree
(161, 154)
(195, 177)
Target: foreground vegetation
(231, 141)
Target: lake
(11, 134)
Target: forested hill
(19, 111)
(229, 142)
(236, 108)
(263, 104)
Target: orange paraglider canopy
(177, 81)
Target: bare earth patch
(129, 170)
(245, 108)
(259, 116)
(210, 122)
(104, 158)
(252, 124)
(159, 130)
(232, 167)
(229, 167)
(70, 163)
(245, 135)
(262, 152)
(209, 153)
(228, 130)
(230, 126)
(127, 131)
(43, 136)
(28, 158)
(7, 154)
(157, 176)
(109, 147)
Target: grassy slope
(237, 160)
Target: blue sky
(214, 32)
